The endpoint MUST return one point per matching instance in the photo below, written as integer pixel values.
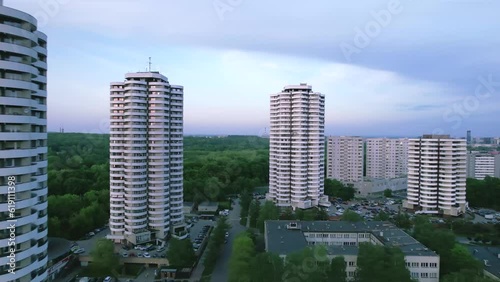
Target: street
(221, 271)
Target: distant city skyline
(383, 71)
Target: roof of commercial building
(282, 240)
(57, 247)
(491, 255)
(208, 204)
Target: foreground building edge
(23, 152)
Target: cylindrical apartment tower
(146, 158)
(296, 152)
(23, 148)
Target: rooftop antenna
(149, 64)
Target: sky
(386, 67)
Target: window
(414, 264)
(351, 273)
(352, 263)
(346, 235)
(424, 275)
(414, 275)
(433, 265)
(407, 264)
(424, 264)
(433, 275)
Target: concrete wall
(379, 185)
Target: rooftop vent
(293, 225)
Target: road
(221, 271)
(89, 244)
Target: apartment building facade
(480, 165)
(23, 148)
(146, 158)
(296, 152)
(386, 158)
(345, 158)
(436, 175)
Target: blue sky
(387, 68)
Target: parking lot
(368, 209)
(197, 233)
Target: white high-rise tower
(297, 144)
(436, 175)
(146, 158)
(23, 148)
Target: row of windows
(424, 275)
(422, 264)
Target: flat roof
(491, 254)
(208, 204)
(58, 247)
(282, 240)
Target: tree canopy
(180, 253)
(104, 260)
(335, 188)
(483, 193)
(381, 264)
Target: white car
(146, 255)
(79, 251)
(107, 279)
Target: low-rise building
(373, 186)
(210, 207)
(187, 207)
(482, 164)
(342, 238)
(489, 257)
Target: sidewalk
(198, 271)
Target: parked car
(146, 255)
(79, 251)
(125, 255)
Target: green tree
(287, 214)
(180, 253)
(269, 211)
(461, 259)
(388, 193)
(381, 216)
(381, 264)
(254, 213)
(310, 264)
(351, 216)
(215, 243)
(402, 220)
(104, 260)
(266, 267)
(335, 188)
(241, 257)
(337, 270)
